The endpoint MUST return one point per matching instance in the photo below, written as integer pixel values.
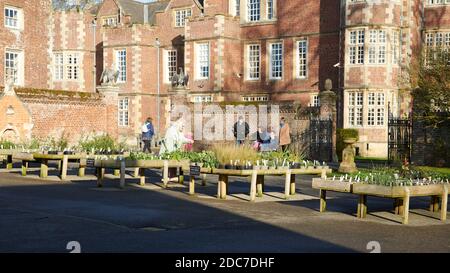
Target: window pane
(276, 61)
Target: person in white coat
(174, 138)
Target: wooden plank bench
(324, 185)
(63, 161)
(402, 196)
(139, 166)
(257, 179)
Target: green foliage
(404, 176)
(6, 144)
(52, 143)
(100, 143)
(34, 144)
(281, 156)
(206, 158)
(431, 98)
(342, 134)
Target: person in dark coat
(147, 134)
(241, 129)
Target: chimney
(145, 14)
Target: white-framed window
(255, 98)
(356, 47)
(181, 15)
(202, 98)
(438, 2)
(254, 10)
(429, 39)
(110, 21)
(58, 66)
(375, 109)
(302, 59)
(14, 66)
(377, 46)
(202, 60)
(66, 66)
(434, 43)
(276, 61)
(253, 62)
(121, 64)
(355, 108)
(315, 100)
(12, 17)
(270, 9)
(235, 8)
(171, 64)
(123, 114)
(72, 66)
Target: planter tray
(398, 191)
(39, 156)
(330, 185)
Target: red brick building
(232, 50)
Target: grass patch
(360, 158)
(441, 171)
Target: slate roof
(137, 10)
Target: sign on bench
(90, 162)
(194, 170)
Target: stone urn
(348, 157)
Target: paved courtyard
(44, 215)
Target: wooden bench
(139, 167)
(63, 161)
(257, 177)
(400, 194)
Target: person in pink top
(188, 147)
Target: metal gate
(321, 140)
(399, 139)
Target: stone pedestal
(110, 98)
(328, 110)
(348, 157)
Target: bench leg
(24, 167)
(165, 174)
(287, 185)
(9, 162)
(64, 163)
(141, 175)
(44, 169)
(82, 171)
(122, 174)
(292, 184)
(181, 176)
(406, 208)
(398, 206)
(192, 185)
(100, 176)
(323, 200)
(434, 204)
(362, 206)
(444, 202)
(136, 172)
(203, 179)
(259, 185)
(82, 167)
(223, 181)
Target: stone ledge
(55, 94)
